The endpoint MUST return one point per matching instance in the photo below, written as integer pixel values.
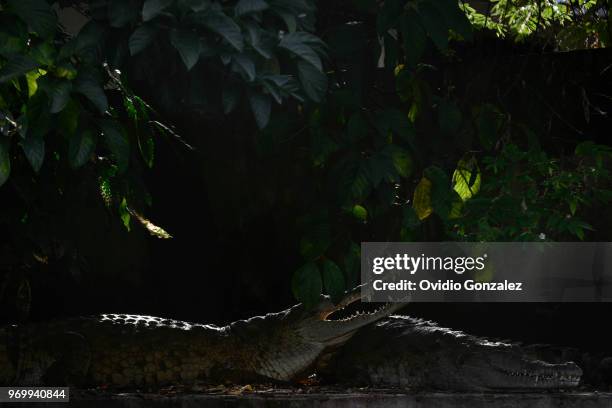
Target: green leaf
(435, 26)
(352, 265)
(449, 117)
(32, 80)
(250, 6)
(298, 44)
(146, 145)
(34, 149)
(360, 212)
(381, 167)
(442, 195)
(413, 36)
(68, 119)
(388, 15)
(307, 285)
(466, 178)
(314, 82)
(59, 94)
(245, 64)
(316, 240)
(37, 14)
(225, 27)
(124, 213)
(231, 97)
(402, 161)
(5, 160)
(117, 142)
(357, 127)
(122, 12)
(350, 179)
(152, 228)
(141, 38)
(395, 121)
(80, 147)
(89, 38)
(454, 17)
(187, 43)
(152, 8)
(106, 190)
(194, 5)
(45, 53)
(487, 123)
(262, 43)
(92, 89)
(573, 204)
(421, 201)
(288, 17)
(333, 280)
(261, 105)
(322, 146)
(18, 65)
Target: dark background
(226, 263)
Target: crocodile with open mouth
(133, 351)
(406, 352)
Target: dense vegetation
(355, 122)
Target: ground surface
(325, 397)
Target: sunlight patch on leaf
(422, 199)
(467, 178)
(153, 229)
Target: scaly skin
(133, 351)
(411, 353)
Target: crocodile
(406, 352)
(124, 351)
(375, 349)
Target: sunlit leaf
(466, 178)
(32, 80)
(360, 212)
(149, 226)
(124, 213)
(421, 201)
